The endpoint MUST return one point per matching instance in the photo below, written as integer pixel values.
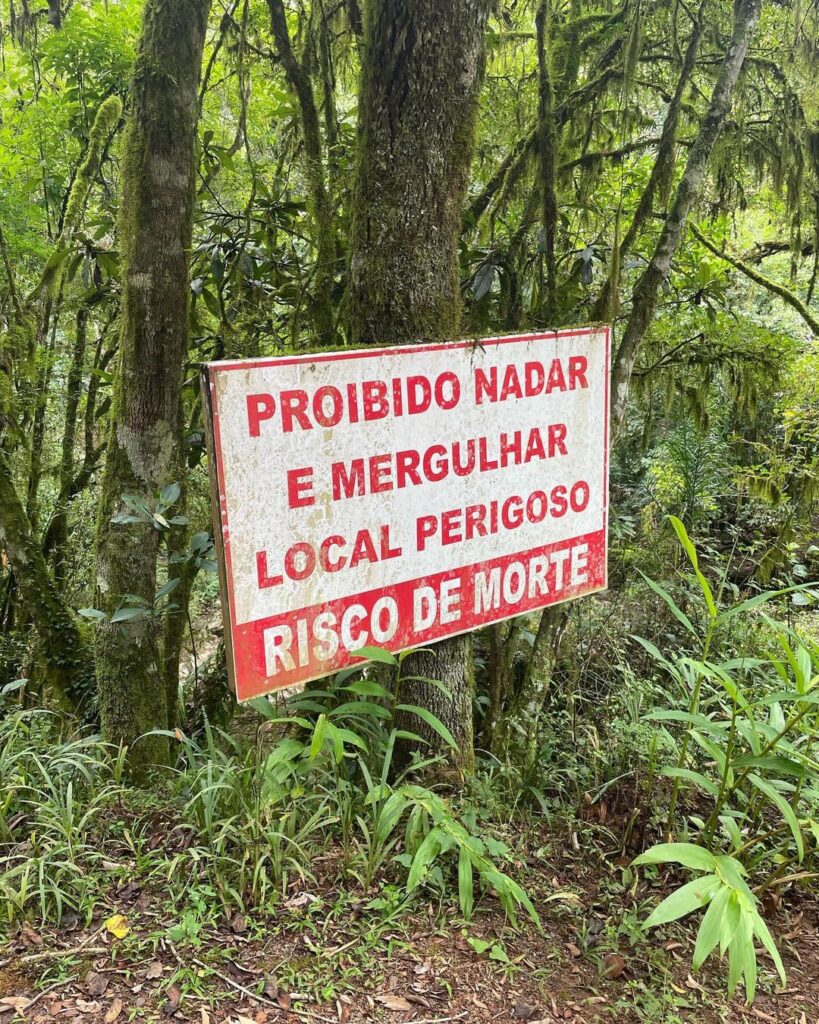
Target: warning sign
(392, 497)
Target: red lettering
(577, 372)
(259, 408)
(486, 386)
(346, 484)
(454, 390)
(556, 378)
(450, 527)
(265, 580)
(363, 549)
(579, 496)
(418, 402)
(380, 470)
(294, 406)
(324, 554)
(557, 439)
(534, 378)
(425, 527)
(290, 567)
(323, 418)
(376, 405)
(511, 384)
(300, 487)
(406, 468)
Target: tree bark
(547, 151)
(321, 202)
(142, 456)
(662, 171)
(689, 190)
(423, 65)
(65, 659)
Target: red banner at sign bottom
(312, 642)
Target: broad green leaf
(424, 856)
(709, 930)
(691, 551)
(676, 611)
(368, 688)
(687, 854)
(375, 654)
(692, 896)
(465, 892)
(785, 808)
(761, 931)
(432, 721)
(359, 707)
(696, 778)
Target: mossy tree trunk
(688, 194)
(422, 70)
(142, 455)
(297, 72)
(64, 658)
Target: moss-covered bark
(65, 660)
(423, 63)
(660, 179)
(155, 231)
(689, 191)
(297, 73)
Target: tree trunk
(321, 202)
(59, 522)
(547, 151)
(142, 456)
(662, 172)
(689, 190)
(423, 64)
(65, 658)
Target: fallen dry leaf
(613, 965)
(283, 999)
(393, 1002)
(114, 1010)
(117, 925)
(574, 950)
(154, 971)
(29, 937)
(95, 984)
(15, 1002)
(87, 1006)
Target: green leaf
(690, 550)
(761, 931)
(709, 931)
(424, 856)
(785, 808)
(128, 614)
(777, 765)
(687, 854)
(676, 611)
(368, 688)
(465, 892)
(432, 721)
(93, 613)
(694, 777)
(692, 896)
(376, 654)
(360, 707)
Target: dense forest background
(183, 181)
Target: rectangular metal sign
(391, 497)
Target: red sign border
(218, 497)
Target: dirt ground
(329, 956)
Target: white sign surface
(392, 497)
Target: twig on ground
(246, 991)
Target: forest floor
(331, 955)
